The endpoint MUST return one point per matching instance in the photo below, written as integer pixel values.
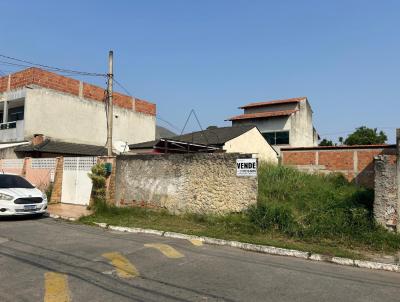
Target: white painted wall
(69, 118)
(252, 142)
(299, 124)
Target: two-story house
(282, 122)
(38, 102)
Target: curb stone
(265, 249)
(262, 248)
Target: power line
(158, 116)
(48, 67)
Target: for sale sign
(246, 167)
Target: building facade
(283, 123)
(36, 101)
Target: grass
(320, 214)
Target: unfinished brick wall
(57, 185)
(50, 80)
(356, 163)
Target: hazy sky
(213, 56)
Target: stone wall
(356, 163)
(184, 183)
(387, 189)
(386, 196)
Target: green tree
(326, 142)
(366, 136)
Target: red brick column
(57, 184)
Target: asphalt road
(49, 260)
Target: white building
(281, 122)
(35, 101)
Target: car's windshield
(14, 181)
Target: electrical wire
(30, 64)
(157, 116)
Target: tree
(366, 136)
(326, 142)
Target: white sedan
(19, 197)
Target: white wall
(299, 124)
(252, 142)
(302, 133)
(72, 119)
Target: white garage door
(76, 184)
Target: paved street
(50, 260)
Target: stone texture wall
(184, 183)
(386, 207)
(387, 189)
(356, 163)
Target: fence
(73, 184)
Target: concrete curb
(55, 216)
(260, 248)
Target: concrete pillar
(5, 111)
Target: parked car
(19, 197)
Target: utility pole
(110, 103)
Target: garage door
(76, 184)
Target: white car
(19, 197)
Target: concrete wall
(302, 130)
(252, 142)
(70, 118)
(355, 163)
(181, 183)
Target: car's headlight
(44, 196)
(5, 197)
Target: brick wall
(57, 185)
(356, 163)
(64, 84)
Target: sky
(213, 56)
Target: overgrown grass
(318, 207)
(323, 214)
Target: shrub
(98, 176)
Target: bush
(98, 176)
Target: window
(16, 114)
(277, 137)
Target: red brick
(299, 158)
(64, 84)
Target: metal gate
(76, 184)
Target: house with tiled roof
(39, 103)
(283, 123)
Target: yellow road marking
(56, 287)
(196, 242)
(167, 250)
(125, 269)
